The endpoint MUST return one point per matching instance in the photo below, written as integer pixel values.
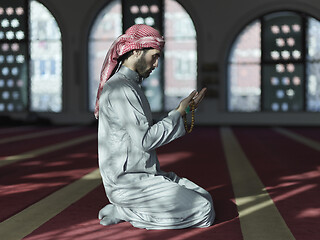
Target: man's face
(147, 62)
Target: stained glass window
(286, 72)
(150, 13)
(29, 33)
(180, 54)
(13, 56)
(283, 58)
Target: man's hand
(199, 96)
(195, 96)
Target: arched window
(274, 65)
(46, 60)
(106, 28)
(180, 54)
(29, 31)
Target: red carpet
(79, 221)
(28, 181)
(18, 147)
(312, 133)
(291, 173)
(16, 131)
(289, 170)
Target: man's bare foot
(109, 215)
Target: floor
(264, 182)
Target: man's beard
(142, 68)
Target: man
(139, 192)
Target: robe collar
(130, 74)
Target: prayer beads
(189, 130)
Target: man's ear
(137, 53)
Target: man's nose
(155, 64)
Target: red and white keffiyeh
(136, 37)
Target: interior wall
(217, 24)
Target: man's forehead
(154, 51)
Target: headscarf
(136, 37)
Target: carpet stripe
(37, 134)
(34, 153)
(259, 217)
(42, 211)
(15, 129)
(26, 182)
(290, 172)
(299, 138)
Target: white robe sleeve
(132, 110)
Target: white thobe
(142, 194)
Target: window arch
(180, 53)
(45, 60)
(274, 65)
(106, 28)
(29, 31)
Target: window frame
(304, 60)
